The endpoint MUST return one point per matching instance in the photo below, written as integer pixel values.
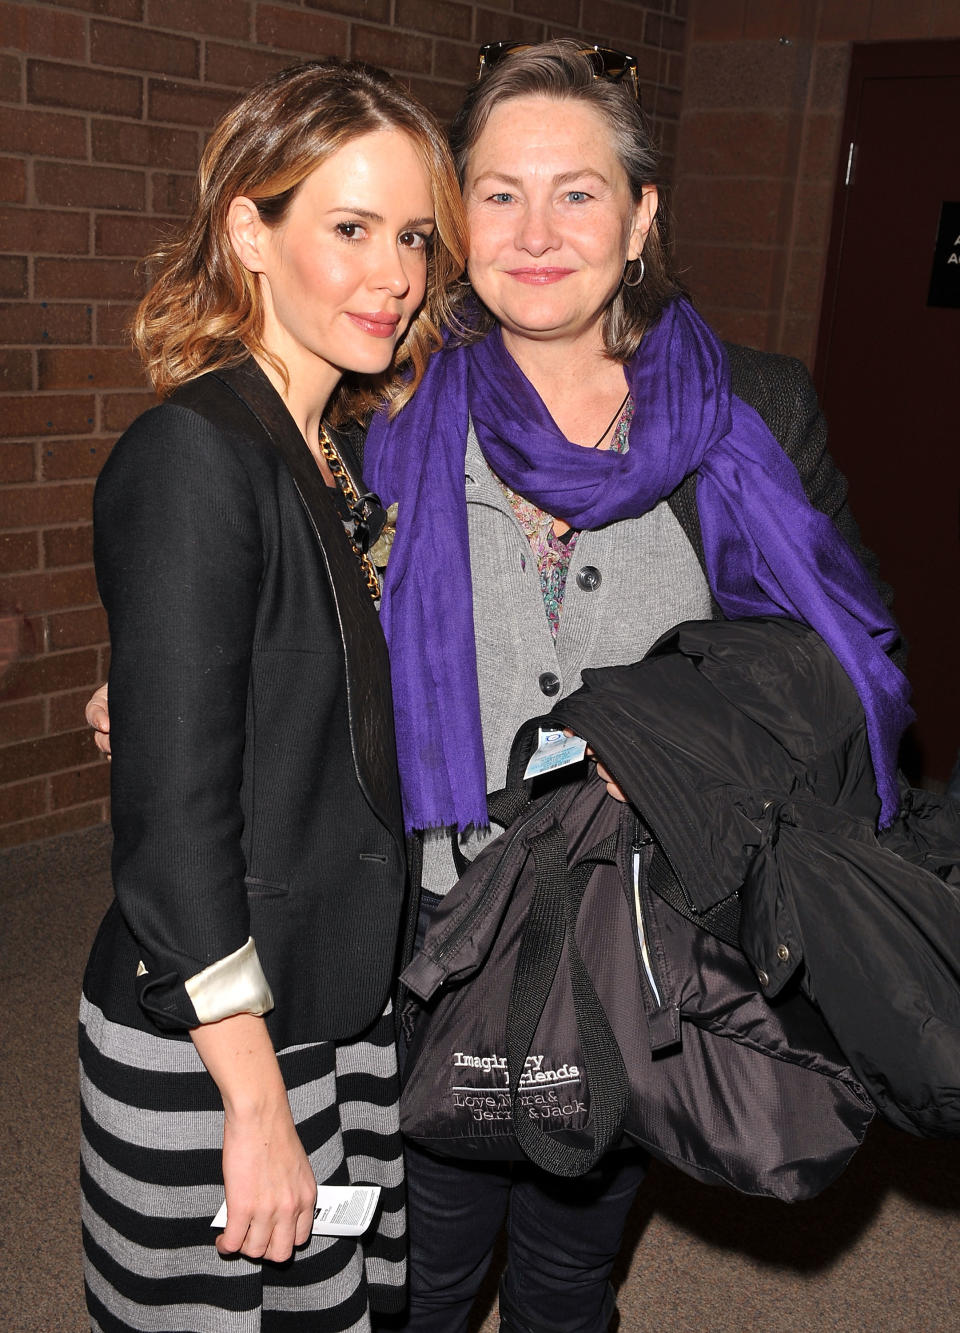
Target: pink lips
(539, 277)
(378, 324)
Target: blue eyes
(572, 197)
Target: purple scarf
(768, 550)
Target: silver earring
(636, 281)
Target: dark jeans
(563, 1237)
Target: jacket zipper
(466, 923)
(641, 855)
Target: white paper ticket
(342, 1210)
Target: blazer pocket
(264, 888)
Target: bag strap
(552, 917)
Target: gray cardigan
(628, 583)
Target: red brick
(226, 18)
(66, 710)
(45, 754)
(661, 31)
(443, 99)
(813, 215)
(18, 550)
(799, 338)
(131, 236)
(89, 279)
(113, 324)
(115, 9)
(119, 409)
(68, 546)
(42, 31)
(49, 673)
(753, 328)
(143, 49)
(847, 22)
(44, 229)
(77, 186)
(553, 12)
(83, 89)
(946, 19)
(22, 720)
(13, 181)
(44, 133)
(172, 193)
(34, 322)
(33, 506)
(745, 75)
(16, 371)
(86, 368)
(59, 590)
(627, 21)
(51, 826)
(456, 62)
(67, 461)
(309, 35)
(392, 50)
(241, 67)
(771, 19)
(828, 85)
(76, 629)
(892, 20)
(730, 275)
(187, 104)
(804, 280)
(371, 11)
(711, 211)
(13, 275)
(439, 18)
(144, 145)
(821, 142)
(84, 784)
(11, 78)
(21, 800)
(735, 143)
(499, 27)
(718, 20)
(46, 414)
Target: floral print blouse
(553, 554)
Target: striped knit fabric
(152, 1133)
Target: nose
(391, 273)
(537, 232)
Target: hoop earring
(636, 281)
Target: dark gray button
(549, 683)
(589, 578)
(762, 977)
(783, 953)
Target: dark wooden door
(888, 363)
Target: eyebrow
(378, 217)
(562, 178)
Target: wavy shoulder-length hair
(560, 71)
(204, 309)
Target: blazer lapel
(367, 664)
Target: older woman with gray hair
(585, 466)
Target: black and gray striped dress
(151, 1180)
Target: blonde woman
(234, 1036)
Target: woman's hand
(612, 788)
(97, 715)
(270, 1188)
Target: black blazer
(254, 773)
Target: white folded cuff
(232, 985)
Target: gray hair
(560, 70)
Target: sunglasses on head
(616, 66)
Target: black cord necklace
(612, 421)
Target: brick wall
(763, 104)
(104, 105)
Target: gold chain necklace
(342, 477)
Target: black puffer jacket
(743, 746)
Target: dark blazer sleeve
(179, 559)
